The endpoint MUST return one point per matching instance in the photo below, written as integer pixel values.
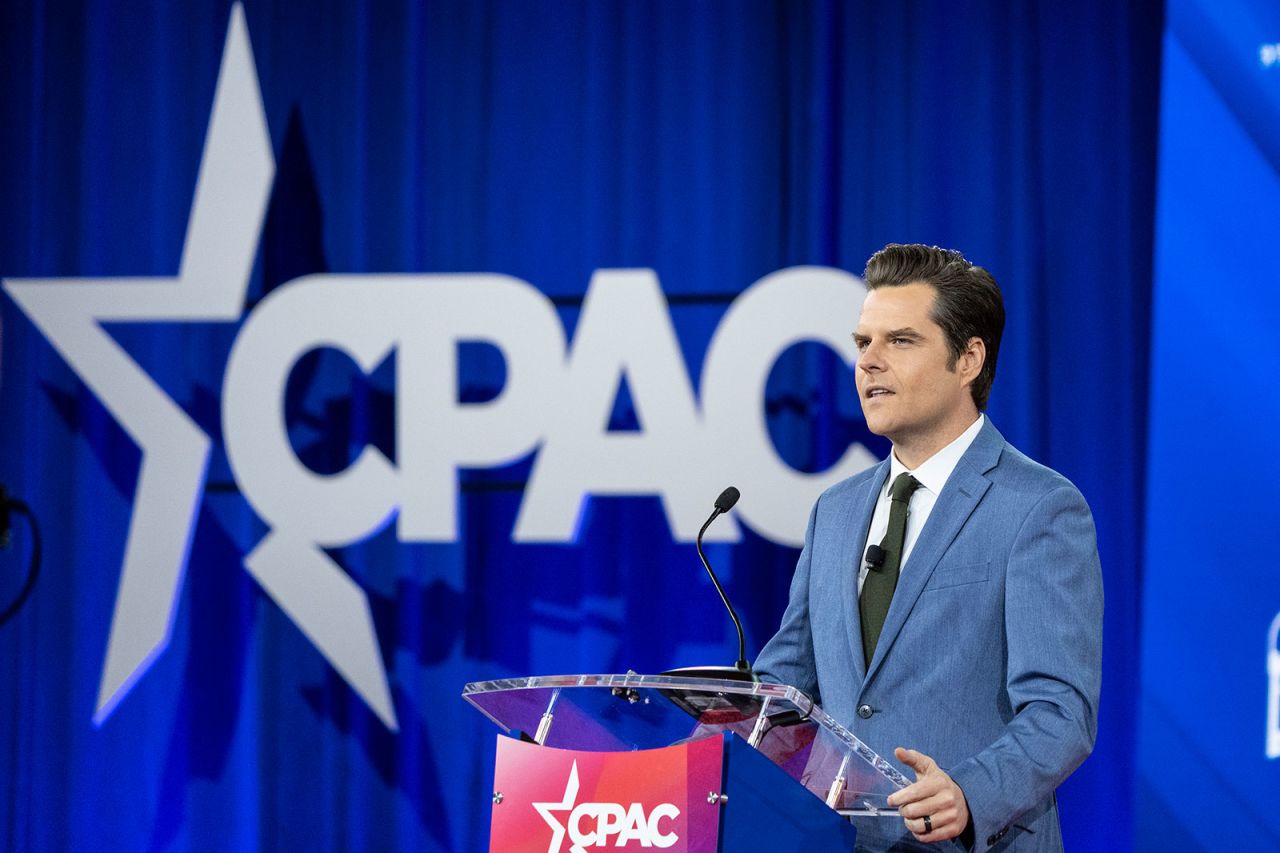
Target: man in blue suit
(974, 636)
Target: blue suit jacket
(990, 656)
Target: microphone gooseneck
(724, 503)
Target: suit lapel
(856, 525)
(960, 496)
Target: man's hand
(934, 794)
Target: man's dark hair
(967, 305)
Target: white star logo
(565, 805)
(230, 202)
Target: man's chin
(877, 424)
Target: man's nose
(870, 358)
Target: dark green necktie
(877, 589)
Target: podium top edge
(634, 680)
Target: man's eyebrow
(907, 332)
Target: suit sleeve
(788, 657)
(1053, 623)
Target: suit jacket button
(865, 711)
(991, 840)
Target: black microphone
(875, 557)
(724, 503)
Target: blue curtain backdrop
(1211, 597)
(714, 143)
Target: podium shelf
(614, 713)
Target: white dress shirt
(933, 474)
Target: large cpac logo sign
(596, 825)
(556, 400)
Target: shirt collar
(934, 472)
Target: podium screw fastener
(497, 798)
(717, 799)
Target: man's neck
(913, 452)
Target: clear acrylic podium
(622, 713)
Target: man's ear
(970, 362)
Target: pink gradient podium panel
(549, 800)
